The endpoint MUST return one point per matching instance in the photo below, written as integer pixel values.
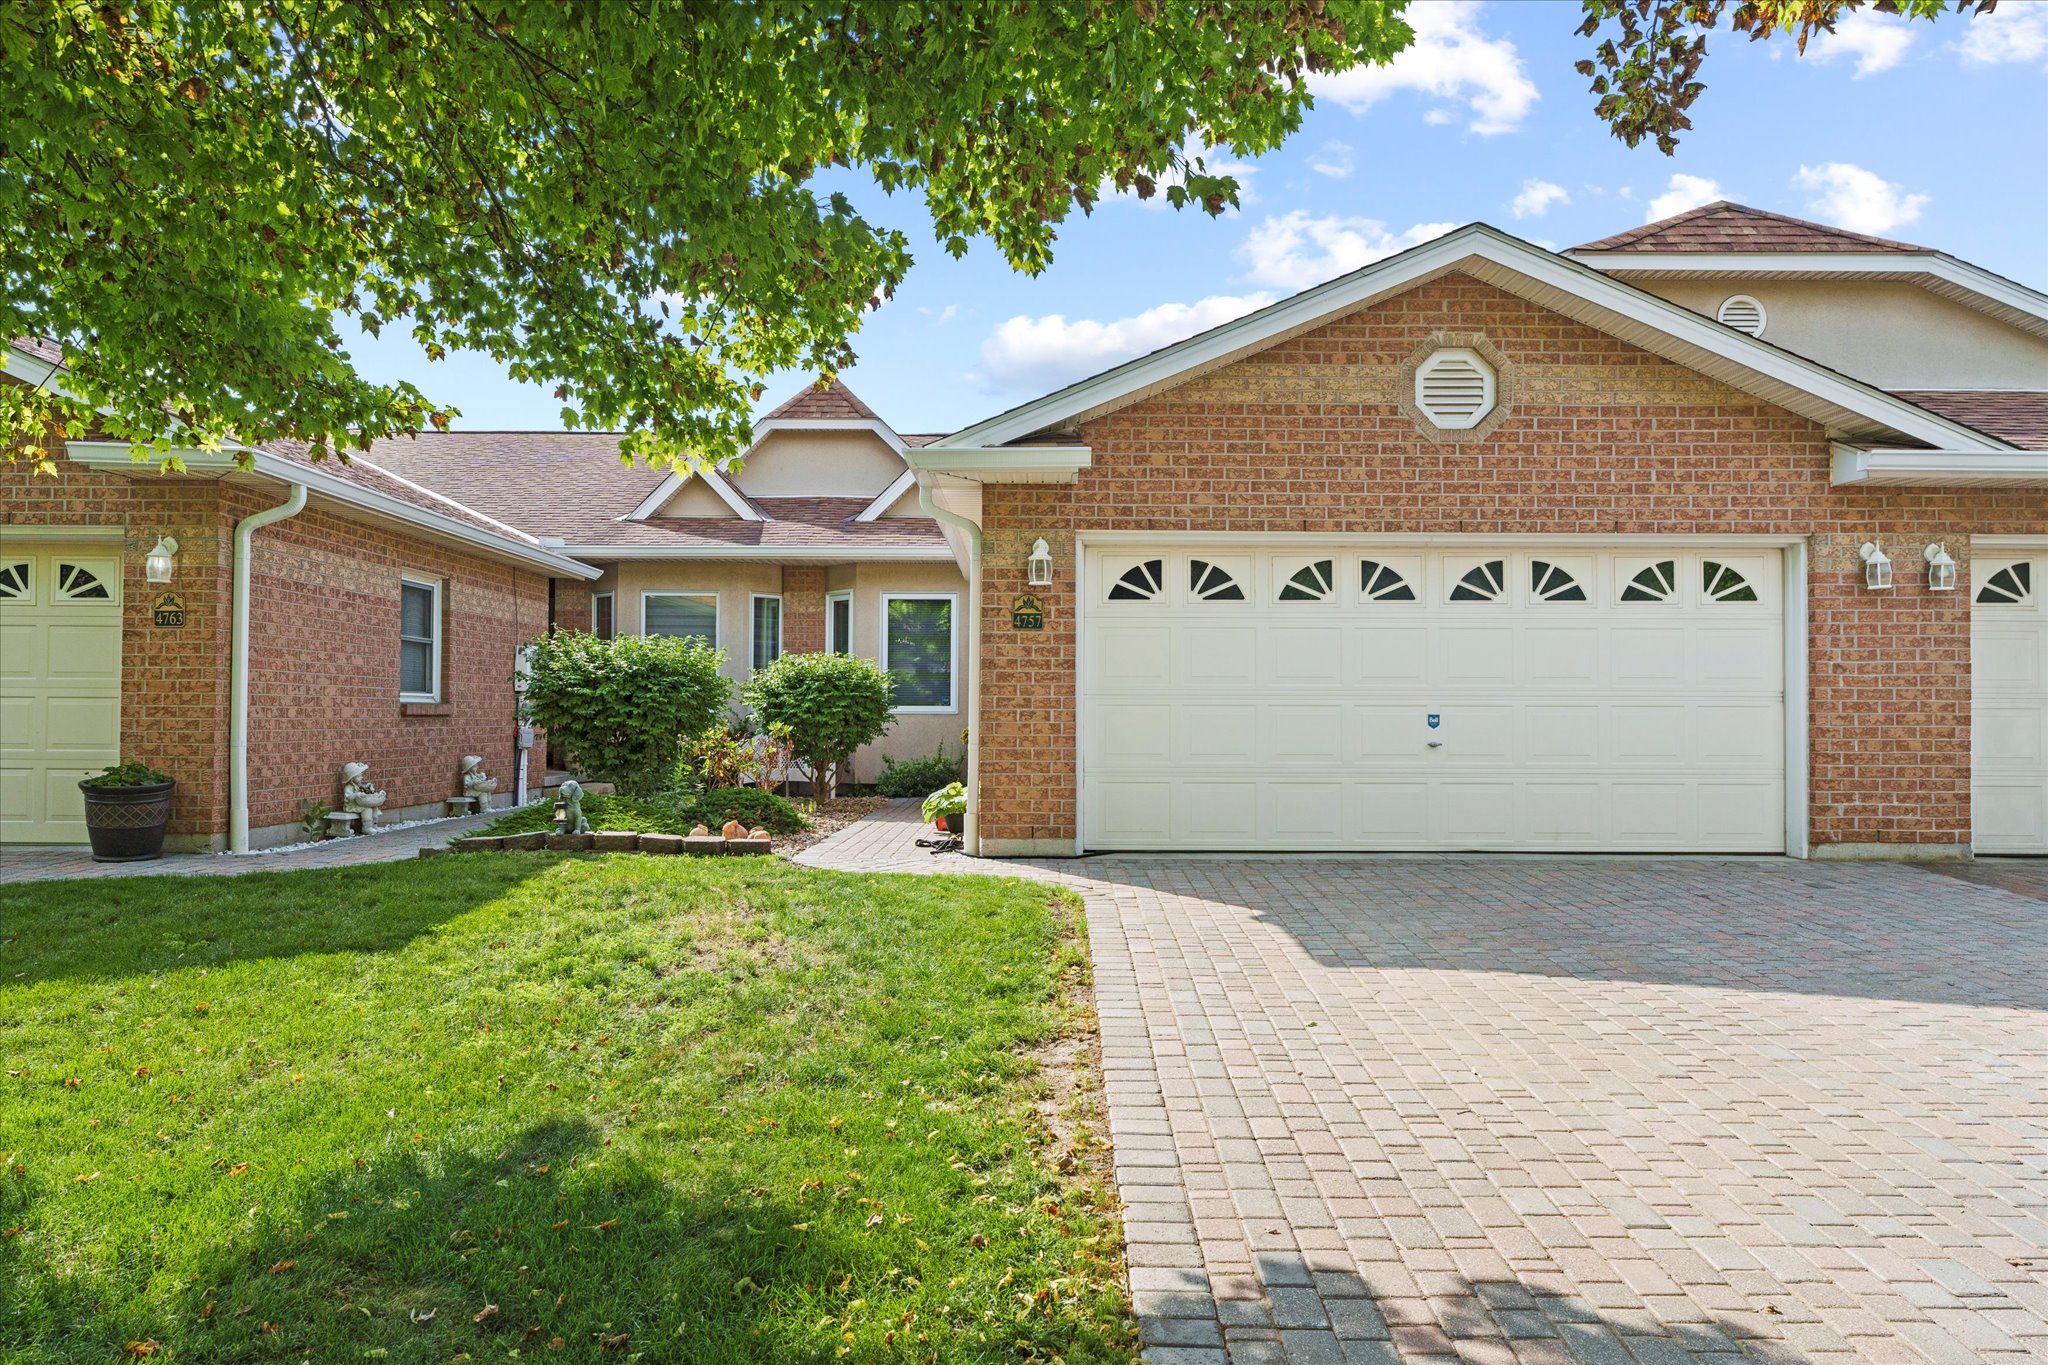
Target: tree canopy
(621, 198)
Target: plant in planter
(127, 809)
(946, 808)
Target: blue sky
(1931, 133)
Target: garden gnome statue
(476, 783)
(359, 797)
(572, 808)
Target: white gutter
(1941, 468)
(238, 677)
(970, 836)
(780, 554)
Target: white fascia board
(886, 499)
(876, 426)
(36, 372)
(1001, 464)
(1992, 288)
(117, 455)
(793, 554)
(674, 483)
(1473, 242)
(1941, 468)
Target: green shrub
(750, 806)
(126, 775)
(918, 776)
(832, 704)
(625, 814)
(622, 709)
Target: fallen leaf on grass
(486, 1313)
(418, 1317)
(142, 1348)
(85, 1179)
(281, 1267)
(239, 1168)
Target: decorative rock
(734, 830)
(523, 842)
(615, 841)
(479, 843)
(746, 845)
(757, 833)
(662, 843)
(703, 844)
(570, 843)
(701, 832)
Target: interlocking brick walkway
(36, 863)
(1551, 1110)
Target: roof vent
(1743, 313)
(1454, 389)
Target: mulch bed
(828, 819)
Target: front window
(419, 640)
(839, 623)
(603, 616)
(917, 650)
(767, 630)
(688, 615)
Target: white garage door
(1506, 698)
(60, 684)
(2009, 654)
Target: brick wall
(324, 662)
(174, 688)
(1595, 437)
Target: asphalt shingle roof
(1723, 226)
(2018, 417)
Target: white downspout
(970, 838)
(238, 678)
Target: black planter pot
(126, 824)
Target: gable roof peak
(1725, 226)
(825, 399)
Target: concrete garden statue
(358, 797)
(572, 808)
(476, 783)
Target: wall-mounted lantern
(159, 564)
(1877, 567)
(1038, 569)
(1941, 570)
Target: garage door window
(14, 581)
(1552, 583)
(917, 651)
(1653, 583)
(76, 583)
(1485, 582)
(1383, 582)
(1212, 582)
(1139, 583)
(1723, 584)
(2010, 586)
(1312, 582)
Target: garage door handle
(1436, 744)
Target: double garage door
(60, 683)
(2009, 710)
(1510, 698)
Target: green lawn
(533, 1107)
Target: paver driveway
(1553, 1110)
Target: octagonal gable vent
(1743, 313)
(1454, 389)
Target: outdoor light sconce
(1038, 569)
(1941, 570)
(159, 563)
(1877, 567)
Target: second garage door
(1485, 699)
(60, 683)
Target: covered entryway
(1491, 697)
(60, 682)
(2009, 701)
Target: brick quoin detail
(1599, 438)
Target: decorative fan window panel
(1379, 581)
(2012, 585)
(1141, 582)
(1209, 581)
(78, 583)
(15, 581)
(1483, 582)
(1550, 582)
(1723, 583)
(1315, 581)
(1657, 582)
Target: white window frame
(611, 597)
(952, 705)
(753, 625)
(834, 645)
(434, 586)
(679, 592)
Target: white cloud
(1851, 197)
(1451, 59)
(1536, 198)
(1334, 160)
(1046, 352)
(2011, 33)
(1878, 42)
(1295, 250)
(941, 316)
(1684, 192)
